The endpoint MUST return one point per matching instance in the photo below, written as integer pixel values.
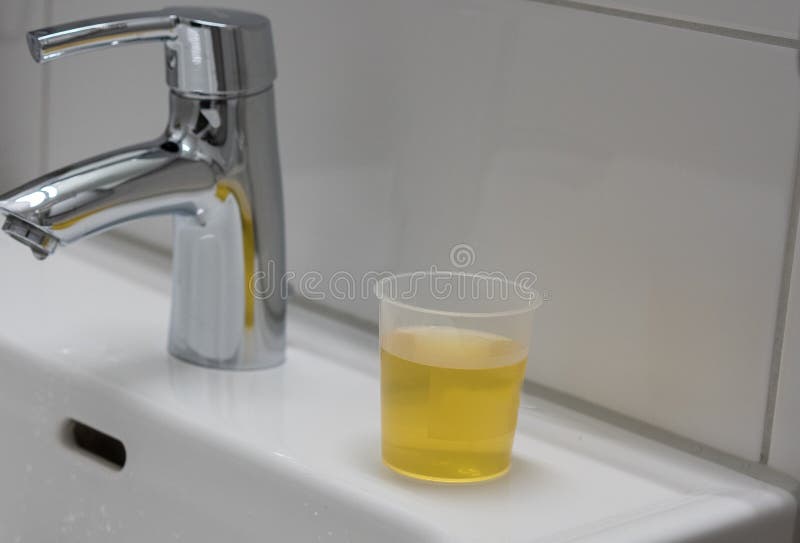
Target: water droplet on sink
(28, 468)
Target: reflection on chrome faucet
(215, 169)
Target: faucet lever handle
(50, 43)
(210, 53)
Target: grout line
(748, 35)
(44, 121)
(331, 312)
(780, 318)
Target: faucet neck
(229, 298)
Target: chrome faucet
(215, 169)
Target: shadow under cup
(453, 353)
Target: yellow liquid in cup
(449, 401)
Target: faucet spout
(99, 193)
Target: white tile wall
(644, 174)
(785, 446)
(21, 92)
(642, 171)
(775, 17)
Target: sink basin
(292, 453)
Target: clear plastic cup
(453, 353)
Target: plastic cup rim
(533, 303)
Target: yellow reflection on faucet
(77, 218)
(232, 187)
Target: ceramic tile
(785, 446)
(21, 89)
(648, 192)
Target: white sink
(293, 453)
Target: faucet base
(233, 364)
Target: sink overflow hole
(95, 443)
